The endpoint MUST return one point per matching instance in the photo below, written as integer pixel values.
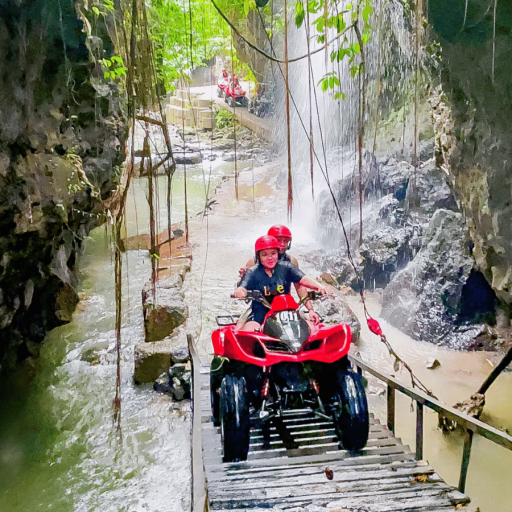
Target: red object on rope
(374, 326)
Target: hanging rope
(234, 118)
(310, 80)
(288, 143)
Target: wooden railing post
(419, 431)
(465, 460)
(391, 409)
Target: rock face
(423, 299)
(165, 309)
(61, 144)
(472, 123)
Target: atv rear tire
(220, 92)
(234, 418)
(350, 411)
(231, 101)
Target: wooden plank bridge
(298, 464)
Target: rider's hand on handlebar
(326, 290)
(314, 317)
(240, 293)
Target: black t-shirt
(284, 274)
(284, 257)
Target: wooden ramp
(289, 469)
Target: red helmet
(280, 230)
(266, 242)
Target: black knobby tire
(220, 92)
(231, 101)
(234, 418)
(350, 411)
(244, 101)
(215, 382)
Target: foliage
(223, 118)
(356, 17)
(113, 67)
(186, 34)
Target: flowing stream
(58, 447)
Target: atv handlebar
(251, 294)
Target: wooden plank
(318, 477)
(393, 454)
(326, 488)
(281, 472)
(375, 500)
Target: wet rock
(432, 364)
(423, 299)
(163, 384)
(92, 354)
(177, 370)
(188, 158)
(334, 310)
(180, 355)
(165, 310)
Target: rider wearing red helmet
(284, 236)
(272, 277)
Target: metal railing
(471, 425)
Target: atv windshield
(288, 326)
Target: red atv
(256, 376)
(234, 94)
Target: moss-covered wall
(62, 139)
(477, 83)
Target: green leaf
(337, 95)
(354, 70)
(96, 11)
(331, 82)
(356, 48)
(366, 12)
(339, 23)
(313, 7)
(117, 59)
(299, 14)
(319, 24)
(155, 256)
(348, 6)
(321, 39)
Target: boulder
(423, 299)
(153, 359)
(334, 310)
(164, 310)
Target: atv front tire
(234, 418)
(350, 411)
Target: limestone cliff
(61, 146)
(474, 128)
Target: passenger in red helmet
(284, 236)
(271, 277)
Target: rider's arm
(248, 265)
(314, 285)
(240, 292)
